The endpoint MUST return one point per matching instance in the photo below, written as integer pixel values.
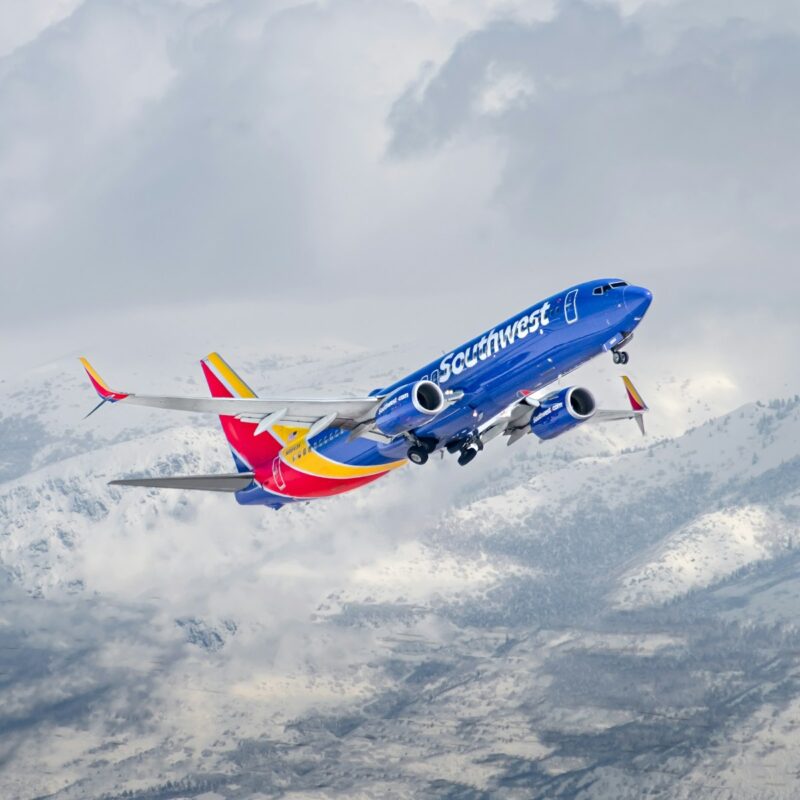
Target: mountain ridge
(479, 639)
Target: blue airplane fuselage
(523, 354)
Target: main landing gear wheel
(620, 357)
(467, 454)
(417, 454)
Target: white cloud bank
(458, 159)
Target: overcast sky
(396, 170)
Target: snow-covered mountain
(602, 616)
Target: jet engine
(562, 411)
(409, 407)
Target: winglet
(232, 385)
(637, 404)
(106, 394)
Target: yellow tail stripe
(321, 467)
(289, 434)
(233, 380)
(293, 438)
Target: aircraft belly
(332, 465)
(360, 452)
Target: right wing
(514, 421)
(636, 411)
(345, 412)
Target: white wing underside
(601, 415)
(513, 421)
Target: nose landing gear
(616, 344)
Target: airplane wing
(636, 411)
(514, 421)
(346, 412)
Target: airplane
(295, 450)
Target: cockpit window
(608, 287)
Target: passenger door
(571, 307)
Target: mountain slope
(602, 616)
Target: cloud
(405, 156)
(156, 152)
(656, 145)
(21, 21)
(268, 178)
(671, 153)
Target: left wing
(345, 412)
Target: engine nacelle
(409, 407)
(562, 411)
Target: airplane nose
(637, 299)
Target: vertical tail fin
(249, 451)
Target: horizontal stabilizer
(230, 482)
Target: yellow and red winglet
(106, 394)
(222, 379)
(637, 404)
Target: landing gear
(417, 454)
(467, 454)
(470, 449)
(620, 341)
(467, 448)
(421, 448)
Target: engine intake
(562, 411)
(409, 407)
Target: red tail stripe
(217, 387)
